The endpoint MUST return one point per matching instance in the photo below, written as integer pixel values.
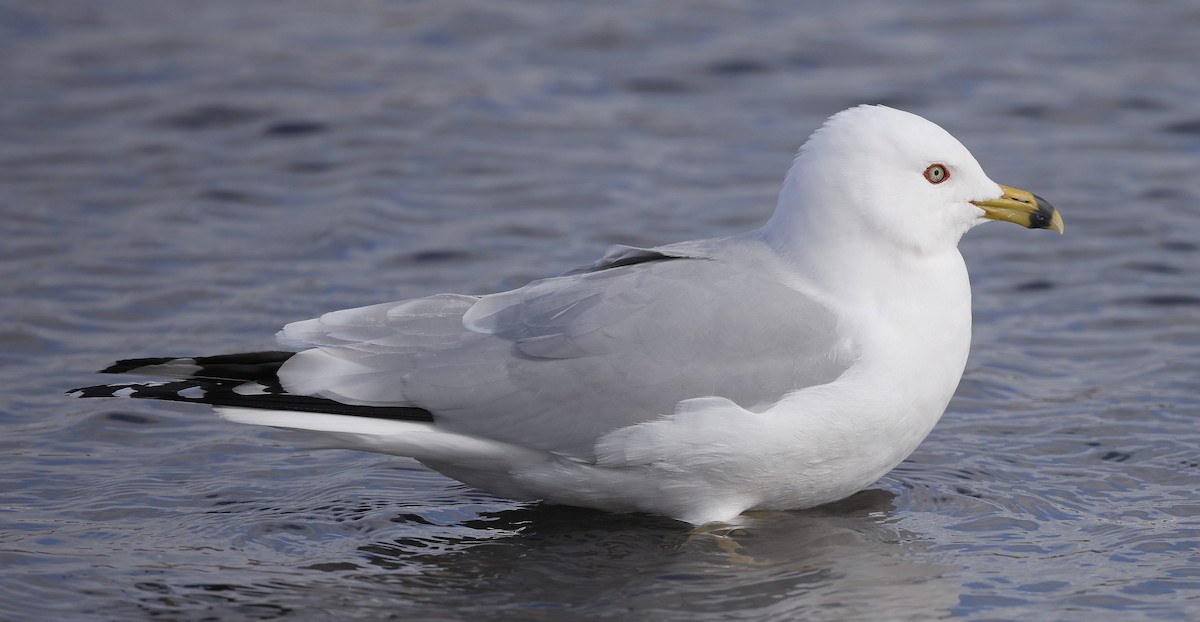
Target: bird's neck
(834, 258)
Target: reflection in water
(552, 561)
(549, 558)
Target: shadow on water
(550, 561)
(546, 558)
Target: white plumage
(782, 368)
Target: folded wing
(560, 362)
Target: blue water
(186, 178)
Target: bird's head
(902, 178)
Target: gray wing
(560, 362)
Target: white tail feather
(423, 441)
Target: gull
(777, 369)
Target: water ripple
(180, 181)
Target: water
(185, 178)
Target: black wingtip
(261, 366)
(101, 390)
(125, 366)
(243, 380)
(240, 394)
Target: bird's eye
(937, 173)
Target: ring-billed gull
(782, 368)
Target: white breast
(843, 436)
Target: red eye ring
(937, 173)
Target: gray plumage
(627, 338)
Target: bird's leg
(724, 535)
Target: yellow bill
(1024, 208)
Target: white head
(896, 178)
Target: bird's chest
(918, 339)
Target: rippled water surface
(184, 178)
